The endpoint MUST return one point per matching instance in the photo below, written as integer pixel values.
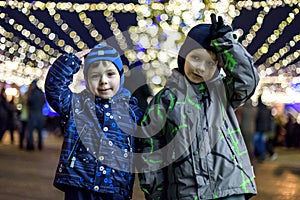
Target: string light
(252, 32)
(26, 33)
(44, 29)
(22, 73)
(66, 28)
(272, 83)
(118, 35)
(162, 28)
(269, 64)
(160, 31)
(276, 34)
(86, 21)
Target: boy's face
(200, 65)
(103, 79)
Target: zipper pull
(73, 161)
(129, 144)
(128, 139)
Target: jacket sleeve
(241, 75)
(58, 79)
(152, 172)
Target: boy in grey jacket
(193, 147)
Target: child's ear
(216, 61)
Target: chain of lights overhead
(267, 5)
(274, 88)
(270, 65)
(15, 71)
(21, 50)
(87, 22)
(252, 32)
(66, 28)
(281, 52)
(114, 27)
(35, 54)
(40, 56)
(162, 28)
(44, 29)
(276, 34)
(183, 9)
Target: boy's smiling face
(200, 65)
(103, 79)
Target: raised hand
(82, 53)
(218, 28)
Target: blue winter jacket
(98, 145)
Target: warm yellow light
(264, 49)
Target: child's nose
(201, 66)
(103, 80)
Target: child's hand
(218, 28)
(82, 53)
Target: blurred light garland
(26, 7)
(66, 28)
(161, 30)
(276, 34)
(26, 33)
(274, 88)
(23, 73)
(252, 32)
(87, 22)
(114, 27)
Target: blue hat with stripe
(103, 52)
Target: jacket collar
(122, 95)
(181, 83)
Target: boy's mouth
(104, 90)
(197, 75)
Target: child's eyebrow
(111, 70)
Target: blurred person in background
(12, 123)
(290, 130)
(136, 83)
(23, 117)
(3, 113)
(264, 123)
(246, 115)
(36, 120)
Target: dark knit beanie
(197, 37)
(103, 52)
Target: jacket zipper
(75, 147)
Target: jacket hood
(197, 37)
(103, 52)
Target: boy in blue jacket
(96, 160)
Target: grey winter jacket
(195, 148)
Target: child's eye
(111, 73)
(211, 63)
(95, 76)
(195, 58)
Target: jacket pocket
(232, 146)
